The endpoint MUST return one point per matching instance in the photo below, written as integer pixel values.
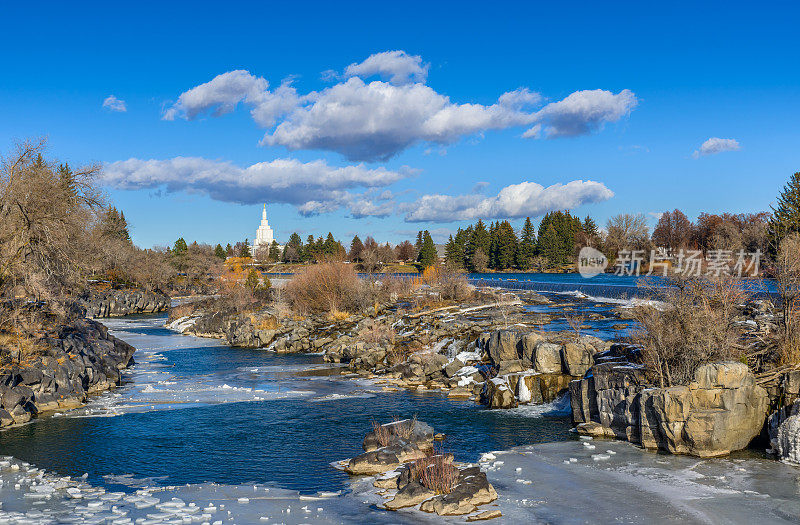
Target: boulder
(547, 358)
(399, 432)
(452, 367)
(529, 342)
(502, 346)
(471, 489)
(577, 358)
(498, 394)
(412, 494)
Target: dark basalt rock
(116, 303)
(82, 358)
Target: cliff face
(81, 359)
(721, 411)
(116, 303)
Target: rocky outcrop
(81, 359)
(116, 303)
(402, 453)
(721, 411)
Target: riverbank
(78, 359)
(175, 442)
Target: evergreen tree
(229, 250)
(427, 254)
(274, 251)
(506, 245)
(418, 244)
(253, 280)
(114, 224)
(180, 247)
(550, 246)
(220, 252)
(590, 227)
(527, 245)
(786, 214)
(244, 251)
(479, 241)
(454, 252)
(494, 244)
(330, 246)
(356, 249)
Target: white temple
(264, 234)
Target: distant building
(441, 250)
(264, 234)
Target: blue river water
(194, 411)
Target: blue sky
(622, 95)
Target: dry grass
(435, 473)
(692, 326)
(386, 434)
(383, 434)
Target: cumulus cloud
(398, 66)
(716, 145)
(112, 103)
(376, 120)
(224, 92)
(581, 113)
(526, 199)
(314, 187)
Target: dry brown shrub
(327, 287)
(436, 473)
(382, 433)
(692, 326)
(450, 285)
(788, 281)
(372, 331)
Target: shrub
(327, 287)
(435, 473)
(691, 326)
(788, 281)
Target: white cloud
(398, 66)
(526, 199)
(221, 94)
(313, 187)
(112, 103)
(376, 120)
(581, 113)
(716, 145)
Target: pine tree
(590, 227)
(418, 243)
(180, 247)
(550, 245)
(506, 245)
(244, 251)
(479, 241)
(454, 252)
(274, 251)
(786, 214)
(527, 245)
(219, 252)
(427, 254)
(356, 249)
(229, 250)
